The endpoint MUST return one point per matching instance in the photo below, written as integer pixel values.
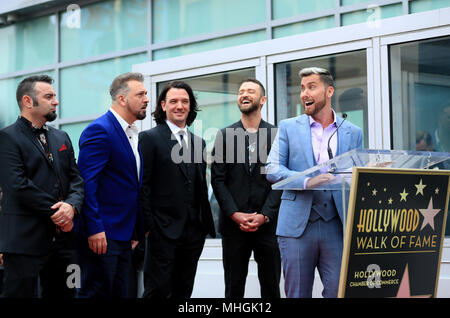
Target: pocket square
(63, 147)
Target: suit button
(325, 204)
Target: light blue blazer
(291, 153)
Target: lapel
(304, 131)
(53, 147)
(172, 142)
(343, 135)
(29, 134)
(124, 141)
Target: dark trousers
(171, 265)
(236, 251)
(21, 274)
(105, 275)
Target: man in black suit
(249, 206)
(177, 214)
(42, 192)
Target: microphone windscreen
(344, 115)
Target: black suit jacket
(237, 189)
(31, 185)
(164, 184)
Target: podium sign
(394, 233)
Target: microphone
(330, 153)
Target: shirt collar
(312, 122)
(122, 121)
(33, 126)
(175, 129)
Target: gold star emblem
(390, 200)
(403, 195)
(436, 191)
(374, 192)
(420, 187)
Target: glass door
(216, 96)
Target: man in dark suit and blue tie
(309, 225)
(110, 164)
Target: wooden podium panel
(394, 232)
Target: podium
(396, 203)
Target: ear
(263, 100)
(121, 99)
(27, 101)
(330, 91)
(163, 105)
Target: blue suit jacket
(291, 153)
(112, 188)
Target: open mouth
(309, 103)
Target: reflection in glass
(28, 44)
(85, 88)
(350, 95)
(103, 27)
(216, 96)
(177, 19)
(420, 97)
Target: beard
(252, 108)
(51, 116)
(139, 114)
(318, 106)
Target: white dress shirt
(132, 133)
(176, 131)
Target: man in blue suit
(309, 225)
(110, 163)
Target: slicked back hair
(119, 86)
(324, 74)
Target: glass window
(103, 27)
(304, 27)
(372, 14)
(420, 89)
(424, 5)
(176, 19)
(27, 44)
(9, 110)
(289, 8)
(85, 88)
(420, 97)
(74, 131)
(216, 96)
(350, 2)
(210, 45)
(350, 95)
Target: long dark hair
(160, 115)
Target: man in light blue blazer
(111, 166)
(309, 225)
